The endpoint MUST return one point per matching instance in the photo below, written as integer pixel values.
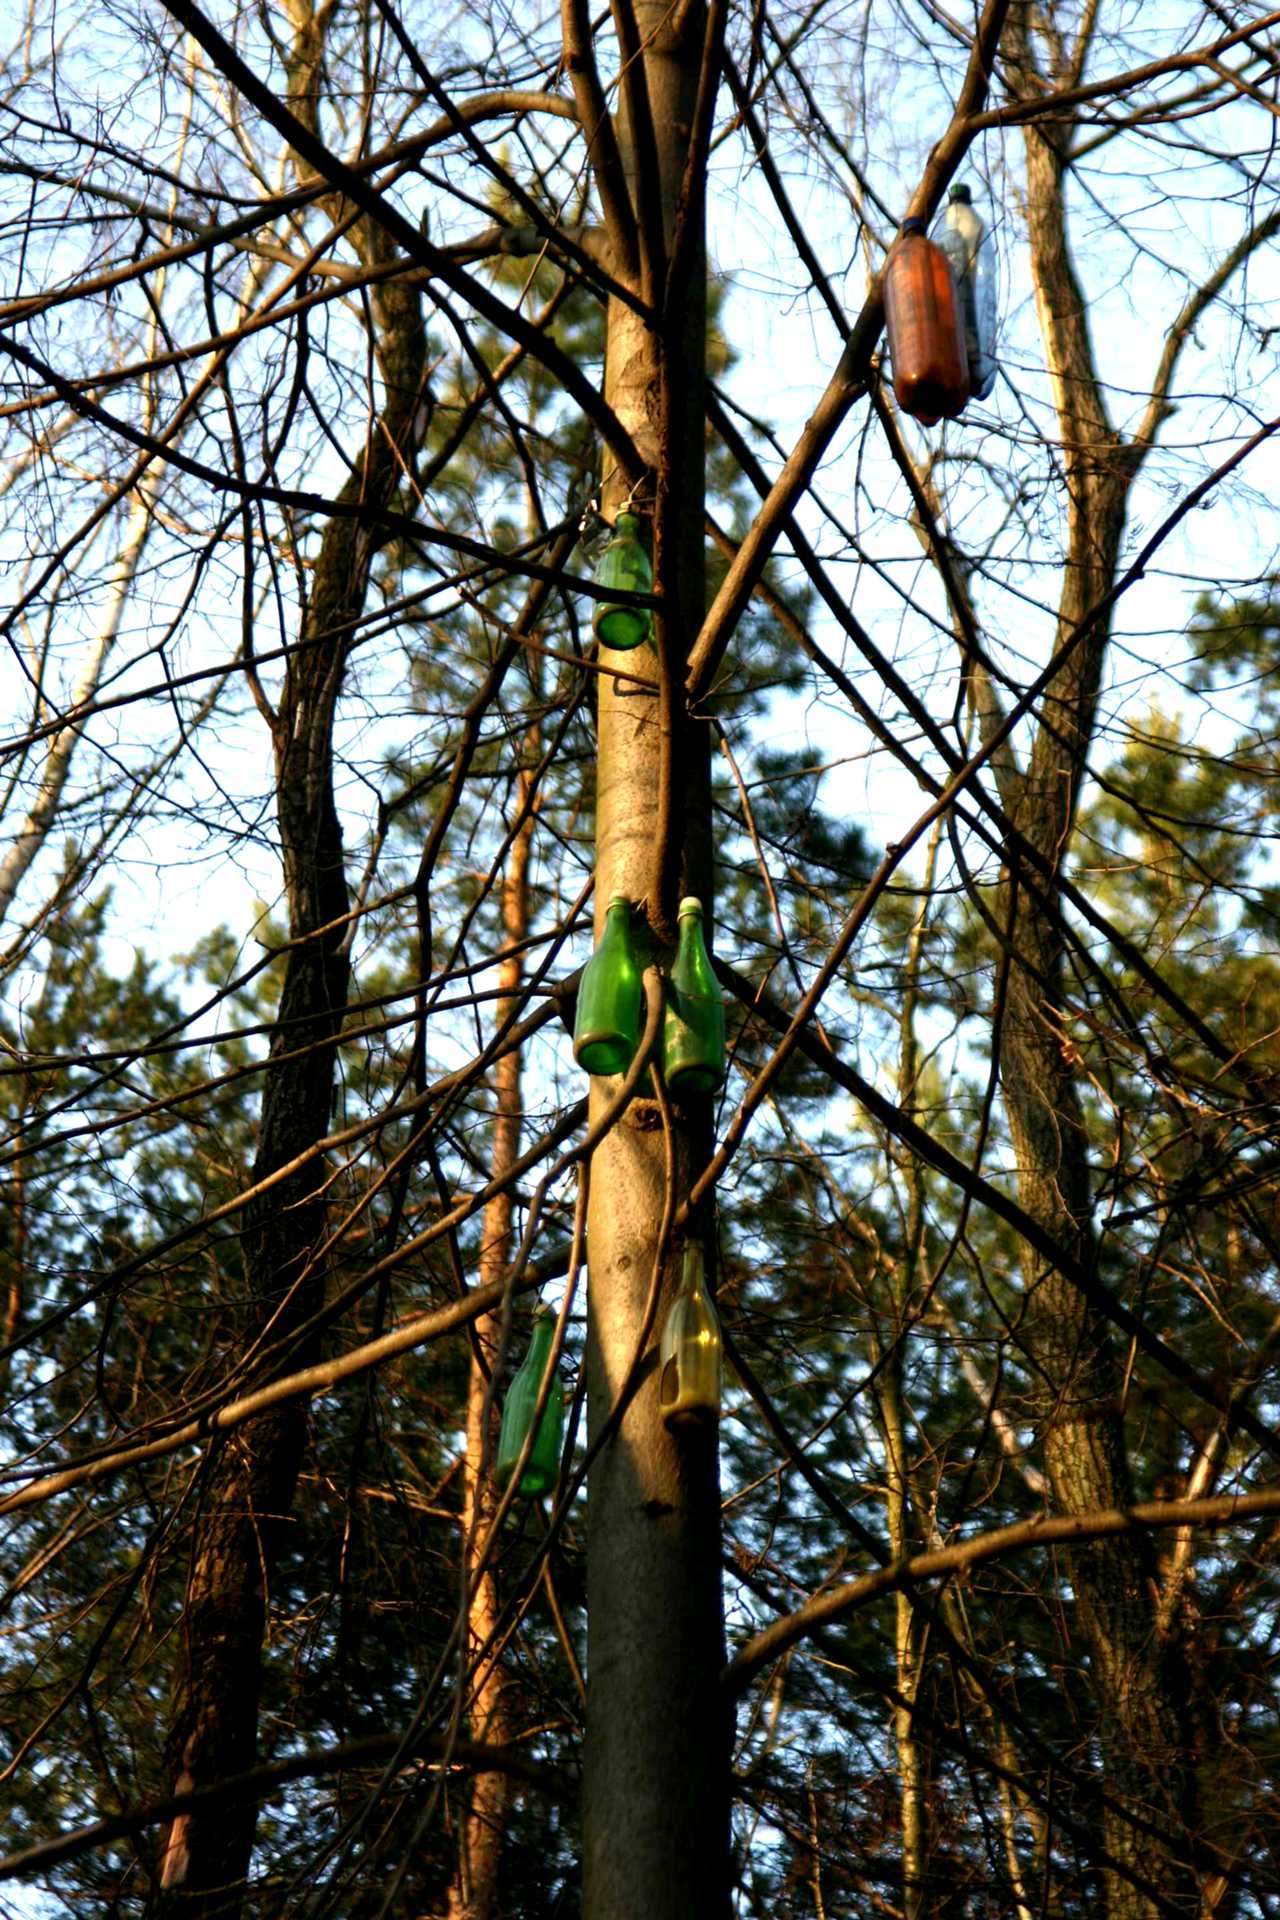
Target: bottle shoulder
(692, 969)
(539, 1345)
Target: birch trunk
(656, 1754)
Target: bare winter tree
(336, 340)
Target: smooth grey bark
(657, 1743)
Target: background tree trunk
(475, 1888)
(1139, 1680)
(250, 1481)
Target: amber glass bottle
(926, 337)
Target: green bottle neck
(544, 1330)
(693, 1277)
(690, 933)
(692, 969)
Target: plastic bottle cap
(961, 193)
(690, 904)
(913, 225)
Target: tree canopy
(336, 338)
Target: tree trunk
(251, 1479)
(910, 1637)
(474, 1891)
(1138, 1680)
(908, 1647)
(655, 1816)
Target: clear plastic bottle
(963, 238)
(922, 317)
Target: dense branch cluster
(334, 337)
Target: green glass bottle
(606, 1029)
(691, 1354)
(542, 1468)
(693, 1031)
(624, 564)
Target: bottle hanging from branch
(542, 1468)
(691, 1352)
(926, 340)
(693, 1053)
(606, 1027)
(625, 565)
(963, 237)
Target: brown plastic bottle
(926, 336)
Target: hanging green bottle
(606, 1029)
(624, 564)
(693, 1029)
(690, 1357)
(542, 1468)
